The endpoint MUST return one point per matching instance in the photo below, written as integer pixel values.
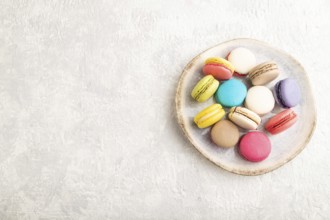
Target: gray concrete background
(87, 121)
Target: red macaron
(282, 121)
(255, 146)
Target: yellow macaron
(205, 88)
(209, 116)
(220, 61)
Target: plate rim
(180, 117)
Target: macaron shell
(281, 122)
(287, 93)
(231, 93)
(217, 71)
(260, 100)
(264, 73)
(255, 146)
(242, 59)
(225, 134)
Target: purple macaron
(287, 93)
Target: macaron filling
(208, 115)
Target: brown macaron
(264, 73)
(225, 134)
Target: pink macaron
(218, 71)
(219, 68)
(255, 146)
(282, 121)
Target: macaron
(242, 59)
(231, 93)
(209, 116)
(260, 100)
(255, 146)
(225, 134)
(219, 68)
(287, 93)
(264, 73)
(205, 88)
(282, 121)
(244, 118)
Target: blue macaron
(231, 93)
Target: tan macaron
(225, 134)
(244, 118)
(264, 73)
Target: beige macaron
(225, 134)
(244, 118)
(264, 73)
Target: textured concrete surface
(87, 120)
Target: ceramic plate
(285, 146)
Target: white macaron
(260, 100)
(242, 59)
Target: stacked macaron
(225, 80)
